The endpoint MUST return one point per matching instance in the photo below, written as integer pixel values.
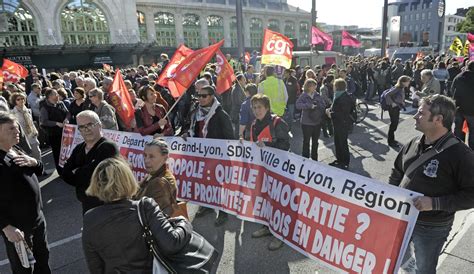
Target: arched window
(192, 30)
(274, 25)
(142, 27)
(290, 30)
(84, 24)
(20, 29)
(256, 32)
(233, 32)
(215, 28)
(165, 29)
(304, 34)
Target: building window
(84, 24)
(256, 32)
(412, 17)
(416, 27)
(192, 30)
(290, 29)
(165, 29)
(417, 16)
(304, 34)
(142, 26)
(215, 28)
(405, 28)
(274, 25)
(429, 15)
(21, 29)
(233, 32)
(423, 16)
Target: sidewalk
(458, 255)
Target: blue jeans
(425, 247)
(458, 123)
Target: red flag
(225, 73)
(120, 99)
(181, 53)
(12, 72)
(320, 37)
(247, 57)
(107, 67)
(465, 128)
(277, 49)
(470, 37)
(187, 71)
(349, 40)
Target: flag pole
(174, 105)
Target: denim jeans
(425, 247)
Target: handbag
(198, 256)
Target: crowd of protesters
(260, 107)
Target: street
(371, 157)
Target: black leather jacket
(112, 237)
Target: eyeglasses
(203, 95)
(91, 95)
(87, 126)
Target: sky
(363, 13)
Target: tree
(468, 24)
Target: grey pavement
(240, 253)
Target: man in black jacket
(21, 215)
(293, 89)
(441, 167)
(210, 121)
(464, 97)
(86, 157)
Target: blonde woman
(25, 119)
(112, 234)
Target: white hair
(427, 72)
(91, 81)
(89, 114)
(202, 82)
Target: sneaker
(262, 232)
(275, 244)
(221, 219)
(203, 211)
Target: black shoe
(221, 219)
(334, 163)
(394, 144)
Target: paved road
(371, 157)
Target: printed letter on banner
(344, 221)
(277, 49)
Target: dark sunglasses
(203, 95)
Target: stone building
(77, 32)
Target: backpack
(383, 99)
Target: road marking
(51, 245)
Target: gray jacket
(107, 116)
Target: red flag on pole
(120, 99)
(349, 40)
(247, 57)
(181, 53)
(187, 71)
(277, 49)
(320, 37)
(225, 73)
(12, 72)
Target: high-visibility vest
(274, 88)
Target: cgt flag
(13, 72)
(120, 99)
(181, 53)
(187, 71)
(467, 45)
(456, 46)
(349, 40)
(225, 73)
(277, 49)
(320, 37)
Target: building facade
(142, 28)
(421, 21)
(450, 31)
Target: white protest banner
(343, 220)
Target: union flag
(13, 72)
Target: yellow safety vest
(274, 88)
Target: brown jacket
(161, 186)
